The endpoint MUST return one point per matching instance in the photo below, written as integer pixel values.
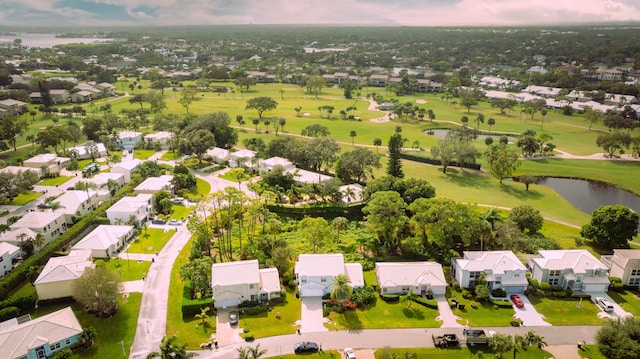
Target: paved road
(152, 321)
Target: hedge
(191, 307)
(23, 302)
(390, 298)
(9, 313)
(429, 303)
(353, 211)
(502, 303)
(431, 161)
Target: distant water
(50, 40)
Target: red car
(517, 300)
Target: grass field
(54, 181)
(590, 351)
(152, 243)
(559, 311)
(24, 198)
(267, 324)
(629, 300)
(460, 353)
(128, 269)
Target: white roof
(354, 272)
(218, 152)
(13, 235)
(46, 158)
(71, 200)
(103, 237)
(158, 135)
(8, 248)
(15, 341)
(243, 154)
(128, 165)
(37, 219)
(277, 161)
(232, 273)
(65, 268)
(319, 265)
(154, 183)
(82, 150)
(102, 178)
(129, 134)
(579, 260)
(131, 204)
(357, 191)
(498, 262)
(304, 176)
(392, 274)
(269, 280)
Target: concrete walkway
(449, 320)
(564, 351)
(312, 319)
(528, 314)
(133, 286)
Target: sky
(328, 12)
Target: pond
(442, 133)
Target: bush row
(431, 161)
(429, 303)
(353, 211)
(191, 307)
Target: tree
(611, 226)
(188, 95)
(261, 104)
(316, 230)
(251, 353)
(543, 112)
(11, 128)
(491, 121)
(431, 115)
(468, 101)
(315, 84)
(478, 120)
(501, 343)
(348, 86)
(394, 166)
(527, 218)
(169, 349)
(197, 143)
(528, 141)
(528, 180)
(620, 338)
(357, 165)
(198, 272)
(445, 151)
(386, 216)
(339, 224)
(377, 142)
(503, 160)
(88, 335)
(282, 121)
(408, 298)
(341, 289)
(203, 316)
(98, 290)
(353, 135)
(592, 116)
(315, 130)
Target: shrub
(615, 280)
(249, 337)
(248, 304)
(255, 310)
(368, 265)
(569, 292)
(390, 298)
(191, 307)
(544, 286)
(501, 303)
(9, 313)
(428, 303)
(618, 287)
(561, 294)
(363, 296)
(23, 302)
(499, 293)
(515, 323)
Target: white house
(40, 337)
(101, 181)
(49, 224)
(304, 176)
(502, 269)
(624, 264)
(106, 240)
(50, 161)
(129, 139)
(419, 277)
(236, 282)
(315, 273)
(77, 203)
(242, 158)
(126, 168)
(269, 164)
(576, 269)
(84, 151)
(15, 236)
(59, 274)
(14, 170)
(218, 155)
(152, 185)
(162, 139)
(8, 252)
(140, 207)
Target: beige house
(403, 277)
(59, 274)
(106, 240)
(8, 252)
(49, 224)
(126, 168)
(50, 161)
(155, 184)
(162, 139)
(77, 203)
(624, 264)
(236, 282)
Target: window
(405, 289)
(554, 273)
(635, 272)
(516, 274)
(323, 280)
(303, 280)
(634, 281)
(384, 290)
(554, 281)
(252, 286)
(67, 341)
(1, 259)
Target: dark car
(233, 317)
(43, 206)
(517, 300)
(305, 347)
(71, 188)
(158, 221)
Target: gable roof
(102, 178)
(243, 154)
(65, 268)
(410, 274)
(155, 183)
(354, 272)
(37, 219)
(498, 262)
(8, 248)
(232, 273)
(269, 280)
(320, 265)
(579, 260)
(131, 204)
(277, 161)
(71, 200)
(103, 237)
(623, 256)
(15, 341)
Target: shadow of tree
(414, 313)
(519, 193)
(350, 320)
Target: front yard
(150, 241)
(462, 352)
(267, 324)
(24, 198)
(480, 314)
(128, 269)
(562, 311)
(629, 300)
(54, 181)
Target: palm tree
(55, 205)
(501, 343)
(169, 349)
(88, 335)
(519, 342)
(479, 120)
(431, 114)
(341, 288)
(203, 316)
(251, 353)
(464, 120)
(377, 142)
(339, 224)
(256, 122)
(408, 298)
(282, 121)
(491, 121)
(353, 135)
(535, 340)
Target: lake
(50, 40)
(442, 133)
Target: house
(501, 269)
(40, 337)
(129, 139)
(304, 176)
(81, 96)
(103, 181)
(84, 151)
(152, 185)
(138, 207)
(11, 107)
(8, 253)
(218, 155)
(269, 164)
(378, 80)
(14, 170)
(58, 275)
(242, 158)
(106, 240)
(49, 224)
(49, 161)
(576, 269)
(161, 139)
(57, 97)
(77, 203)
(15, 236)
(351, 193)
(236, 282)
(624, 264)
(126, 168)
(419, 277)
(315, 273)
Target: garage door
(226, 303)
(595, 288)
(311, 292)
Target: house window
(384, 290)
(303, 280)
(635, 272)
(67, 341)
(554, 273)
(1, 259)
(323, 280)
(634, 281)
(554, 281)
(252, 286)
(406, 289)
(516, 274)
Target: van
(604, 304)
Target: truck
(475, 337)
(446, 340)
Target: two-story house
(77, 203)
(128, 140)
(106, 240)
(501, 269)
(315, 273)
(8, 252)
(49, 224)
(576, 269)
(624, 264)
(139, 208)
(235, 282)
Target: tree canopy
(611, 226)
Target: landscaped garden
(276, 321)
(480, 313)
(150, 240)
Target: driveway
(528, 314)
(449, 320)
(312, 319)
(225, 333)
(618, 312)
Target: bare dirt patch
(421, 102)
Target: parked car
(349, 353)
(305, 347)
(604, 304)
(71, 188)
(174, 222)
(177, 200)
(43, 206)
(233, 317)
(158, 221)
(517, 300)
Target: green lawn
(326, 354)
(483, 315)
(236, 175)
(54, 181)
(24, 198)
(461, 352)
(590, 351)
(143, 154)
(180, 211)
(153, 243)
(128, 269)
(267, 324)
(202, 189)
(629, 300)
(170, 156)
(559, 311)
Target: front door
(40, 353)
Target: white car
(349, 353)
(604, 304)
